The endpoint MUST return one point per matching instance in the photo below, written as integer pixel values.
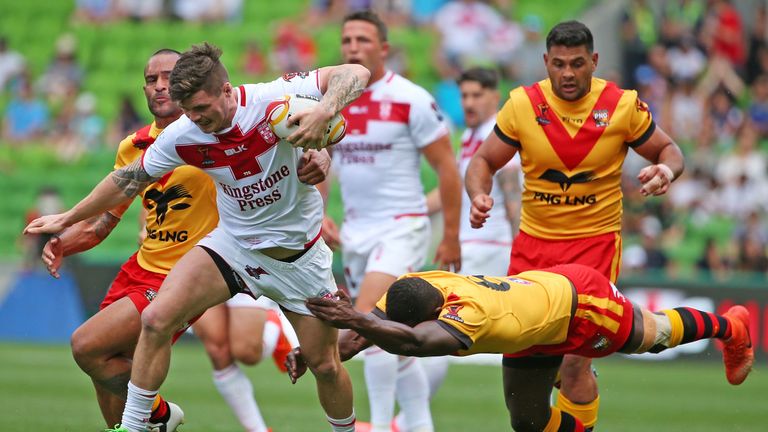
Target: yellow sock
(676, 322)
(561, 421)
(586, 413)
(156, 402)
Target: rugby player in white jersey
(268, 238)
(483, 251)
(386, 230)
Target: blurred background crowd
(70, 89)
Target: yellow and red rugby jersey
(502, 314)
(181, 206)
(571, 154)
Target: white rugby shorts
(395, 247)
(485, 258)
(287, 283)
(246, 301)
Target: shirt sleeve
(162, 157)
(306, 83)
(641, 124)
(122, 157)
(426, 121)
(505, 128)
(463, 318)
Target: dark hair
(198, 69)
(486, 77)
(412, 300)
(371, 17)
(570, 34)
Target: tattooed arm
(340, 86)
(117, 188)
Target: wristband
(667, 172)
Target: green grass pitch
(42, 389)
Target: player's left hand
(448, 255)
(50, 224)
(656, 179)
(314, 166)
(313, 124)
(295, 365)
(337, 311)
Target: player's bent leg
(528, 383)
(212, 328)
(578, 390)
(320, 351)
(194, 284)
(103, 347)
(246, 330)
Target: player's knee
(83, 349)
(576, 368)
(247, 354)
(156, 323)
(218, 353)
(325, 368)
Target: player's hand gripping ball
(280, 111)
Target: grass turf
(41, 388)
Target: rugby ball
(280, 110)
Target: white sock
(380, 377)
(138, 408)
(412, 394)
(269, 339)
(237, 391)
(342, 425)
(436, 368)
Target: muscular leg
(246, 332)
(211, 329)
(320, 351)
(527, 391)
(578, 386)
(103, 347)
(193, 285)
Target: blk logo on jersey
(255, 273)
(564, 181)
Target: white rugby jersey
(497, 228)
(378, 162)
(261, 201)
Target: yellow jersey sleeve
(126, 152)
(463, 318)
(641, 124)
(506, 120)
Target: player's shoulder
(406, 89)
(181, 129)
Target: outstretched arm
(117, 188)
(425, 339)
(80, 237)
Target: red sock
(159, 410)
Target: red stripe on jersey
(364, 109)
(409, 215)
(242, 96)
(391, 77)
(573, 150)
(314, 240)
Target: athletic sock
(342, 425)
(270, 337)
(412, 392)
(160, 411)
(586, 413)
(435, 368)
(689, 325)
(138, 408)
(380, 371)
(560, 421)
(237, 390)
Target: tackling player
(538, 315)
(573, 132)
